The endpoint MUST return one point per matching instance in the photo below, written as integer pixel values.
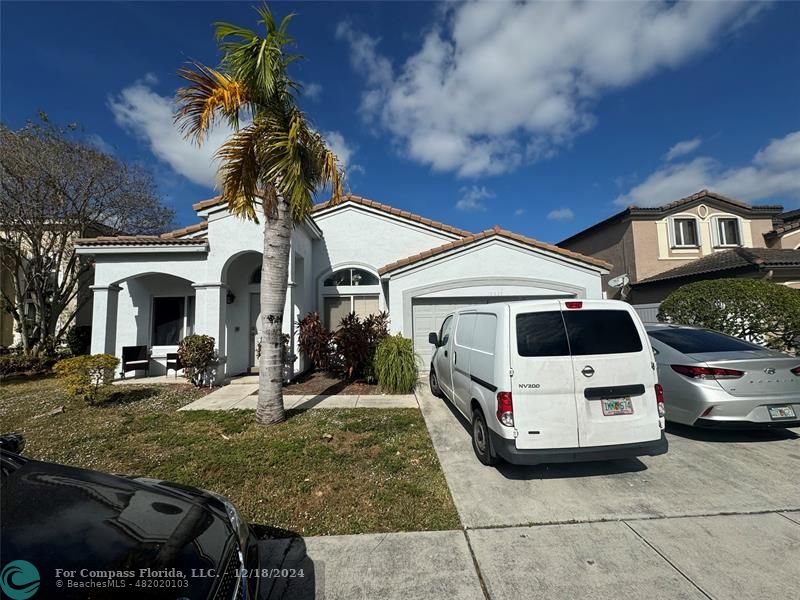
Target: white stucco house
(357, 255)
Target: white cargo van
(551, 380)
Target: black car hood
(80, 521)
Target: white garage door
(428, 313)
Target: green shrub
(198, 357)
(751, 309)
(355, 343)
(396, 365)
(79, 339)
(86, 377)
(22, 364)
(314, 341)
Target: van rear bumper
(507, 450)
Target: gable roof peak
(350, 198)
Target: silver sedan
(714, 380)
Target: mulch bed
(326, 384)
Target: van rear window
(541, 334)
(601, 332)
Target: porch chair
(174, 362)
(135, 358)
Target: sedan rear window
(698, 341)
(601, 332)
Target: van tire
(481, 440)
(434, 383)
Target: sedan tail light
(796, 370)
(505, 409)
(707, 372)
(660, 400)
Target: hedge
(756, 310)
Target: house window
(173, 318)
(685, 231)
(350, 290)
(728, 232)
(344, 277)
(338, 307)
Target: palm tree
(271, 166)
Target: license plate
(781, 412)
(617, 406)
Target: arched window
(349, 290)
(344, 277)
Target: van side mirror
(433, 339)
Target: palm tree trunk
(274, 281)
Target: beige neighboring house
(9, 336)
(705, 235)
(6, 320)
(786, 233)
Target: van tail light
(574, 304)
(505, 409)
(660, 400)
(707, 372)
(796, 370)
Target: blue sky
(539, 118)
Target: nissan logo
(587, 371)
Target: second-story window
(728, 231)
(685, 233)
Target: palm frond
(210, 94)
(240, 171)
(279, 157)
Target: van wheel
(481, 440)
(434, 382)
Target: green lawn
(378, 473)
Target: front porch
(153, 311)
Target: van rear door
(543, 383)
(613, 374)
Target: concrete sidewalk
(401, 566)
(725, 557)
(243, 396)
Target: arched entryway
(242, 277)
(156, 310)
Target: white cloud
(683, 148)
(311, 90)
(561, 214)
(146, 114)
(498, 83)
(773, 172)
(472, 198)
(340, 147)
(99, 143)
(344, 151)
(519, 212)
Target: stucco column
(104, 318)
(288, 326)
(210, 309)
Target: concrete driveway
(717, 517)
